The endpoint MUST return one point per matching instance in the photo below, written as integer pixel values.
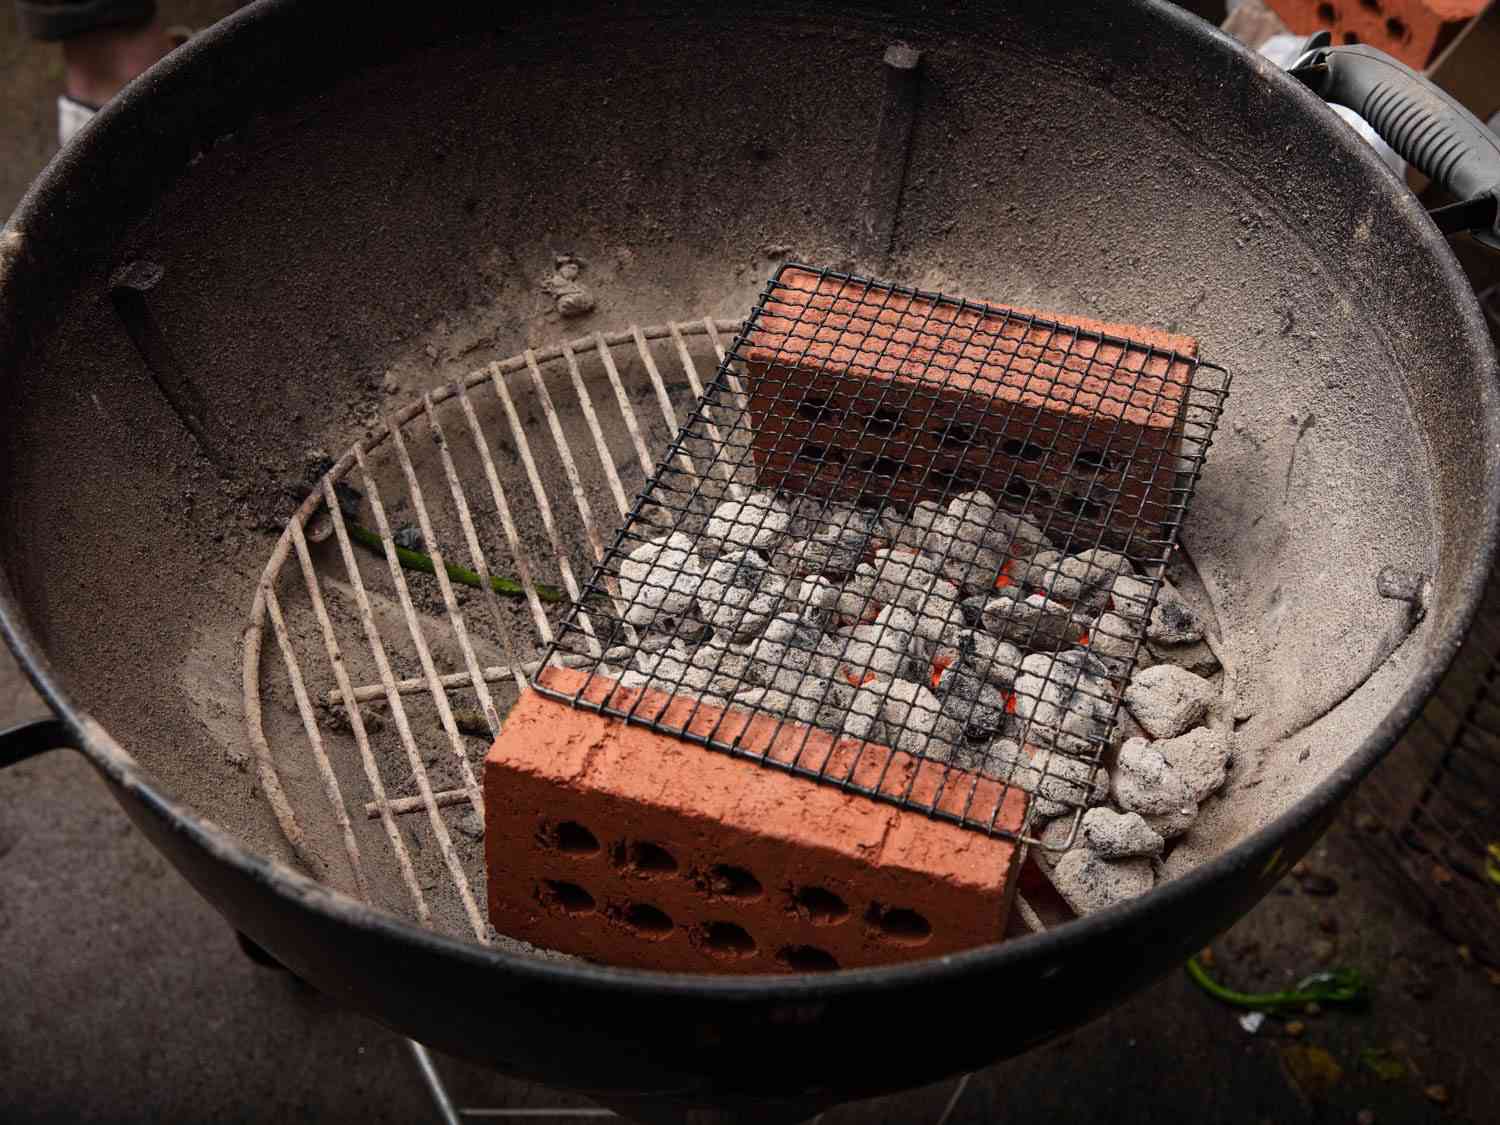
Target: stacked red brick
(856, 391)
(630, 847)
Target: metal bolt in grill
(903, 520)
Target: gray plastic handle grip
(1432, 131)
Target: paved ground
(124, 998)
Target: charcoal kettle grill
(215, 279)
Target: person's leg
(105, 44)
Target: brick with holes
(630, 847)
(858, 390)
(1414, 31)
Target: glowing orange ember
(1010, 704)
(1083, 638)
(859, 682)
(1003, 579)
(939, 666)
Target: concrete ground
(124, 998)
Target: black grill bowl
(312, 209)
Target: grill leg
(435, 1086)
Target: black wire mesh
(906, 544)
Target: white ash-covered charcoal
(1173, 621)
(829, 537)
(912, 531)
(1171, 825)
(915, 722)
(898, 569)
(740, 593)
(890, 647)
(935, 607)
(817, 597)
(856, 600)
(660, 579)
(1117, 835)
(976, 706)
(1045, 573)
(757, 521)
(1063, 700)
(1112, 640)
(1195, 656)
(1033, 622)
(1096, 567)
(1200, 757)
(778, 703)
(1129, 597)
(1060, 783)
(726, 668)
(1126, 728)
(1089, 882)
(995, 661)
(1008, 536)
(788, 651)
(1168, 700)
(1146, 783)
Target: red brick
(839, 873)
(1414, 31)
(854, 391)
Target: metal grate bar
(438, 683)
(440, 571)
(315, 739)
(416, 685)
(668, 414)
(361, 737)
(482, 568)
(626, 410)
(508, 524)
(591, 416)
(398, 710)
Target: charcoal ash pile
(956, 632)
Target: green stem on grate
(1341, 986)
(416, 560)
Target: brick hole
(570, 838)
(957, 434)
(570, 898)
(1370, 6)
(820, 906)
(1396, 28)
(1085, 508)
(1327, 13)
(806, 959)
(880, 466)
(882, 422)
(816, 410)
(642, 857)
(726, 941)
(1350, 37)
(1025, 450)
(727, 881)
(647, 921)
(828, 455)
(899, 925)
(1095, 459)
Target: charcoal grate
(905, 543)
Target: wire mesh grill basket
(902, 528)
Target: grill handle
(1431, 130)
(30, 739)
